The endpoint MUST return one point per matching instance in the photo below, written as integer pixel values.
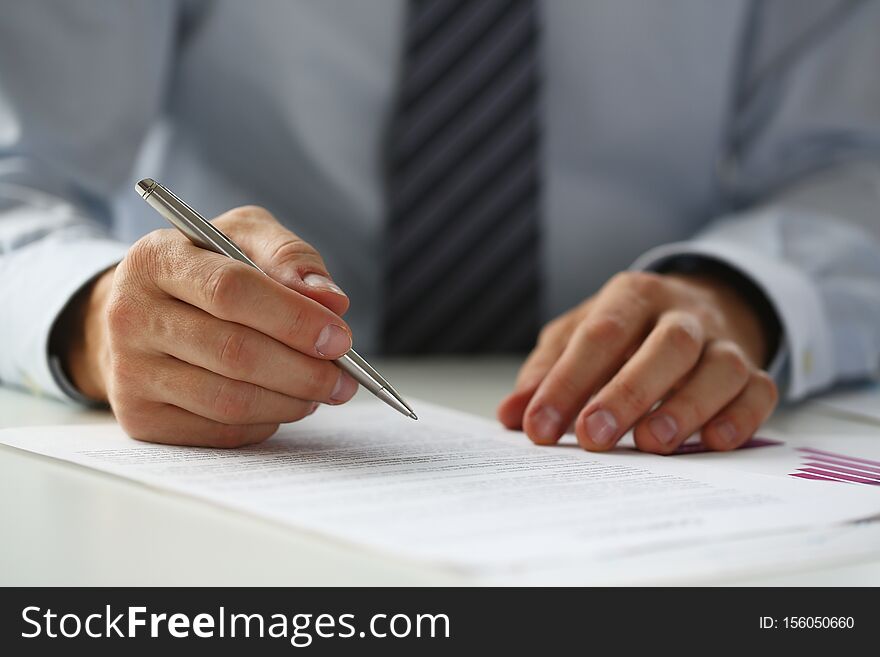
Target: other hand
(689, 345)
(191, 347)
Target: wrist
(79, 338)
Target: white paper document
(456, 489)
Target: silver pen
(205, 235)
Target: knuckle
(621, 279)
(292, 249)
(257, 212)
(767, 387)
(122, 315)
(631, 397)
(141, 260)
(244, 215)
(690, 409)
(608, 329)
(222, 286)
(684, 336)
(297, 323)
(291, 259)
(547, 331)
(144, 249)
(643, 283)
(234, 354)
(709, 316)
(731, 358)
(234, 402)
(551, 331)
(532, 372)
(566, 386)
(321, 380)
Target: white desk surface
(67, 525)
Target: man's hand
(692, 345)
(191, 347)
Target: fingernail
(333, 341)
(313, 408)
(344, 389)
(727, 431)
(601, 428)
(320, 282)
(664, 428)
(546, 422)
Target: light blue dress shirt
(744, 132)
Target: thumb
(283, 255)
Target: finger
(670, 351)
(237, 293)
(511, 409)
(596, 347)
(719, 377)
(164, 423)
(219, 398)
(551, 344)
(740, 419)
(241, 353)
(283, 255)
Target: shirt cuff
(805, 359)
(55, 272)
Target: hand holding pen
(193, 347)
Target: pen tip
(413, 415)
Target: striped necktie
(462, 260)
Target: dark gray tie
(462, 260)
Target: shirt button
(807, 361)
(30, 385)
